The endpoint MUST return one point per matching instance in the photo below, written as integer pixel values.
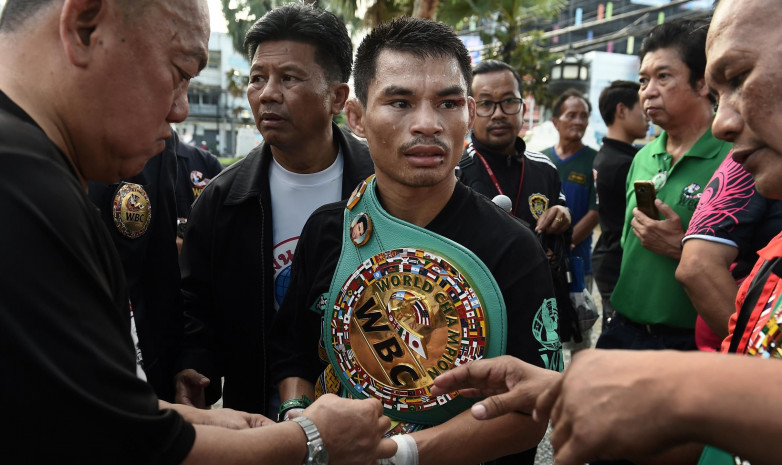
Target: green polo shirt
(647, 291)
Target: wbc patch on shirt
(131, 210)
(690, 196)
(199, 182)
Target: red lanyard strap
(497, 184)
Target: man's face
(289, 94)
(666, 94)
(636, 123)
(497, 131)
(416, 118)
(744, 70)
(573, 119)
(137, 83)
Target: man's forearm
(283, 443)
(291, 388)
(505, 435)
(722, 406)
(584, 227)
(704, 273)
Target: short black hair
(625, 92)
(302, 22)
(494, 66)
(422, 38)
(16, 12)
(557, 108)
(688, 37)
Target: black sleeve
(70, 392)
(525, 280)
(200, 348)
(296, 332)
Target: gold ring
(559, 220)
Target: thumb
(493, 407)
(198, 379)
(667, 211)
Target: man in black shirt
(497, 162)
(623, 114)
(411, 79)
(72, 393)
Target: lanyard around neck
(497, 183)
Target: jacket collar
(251, 179)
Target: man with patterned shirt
(732, 221)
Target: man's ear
(621, 111)
(78, 21)
(555, 121)
(471, 112)
(354, 111)
(340, 92)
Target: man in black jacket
(243, 229)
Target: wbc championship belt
(405, 305)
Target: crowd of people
(387, 292)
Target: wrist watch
(316, 449)
(181, 224)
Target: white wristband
(406, 451)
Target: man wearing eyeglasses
(497, 163)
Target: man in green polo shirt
(653, 309)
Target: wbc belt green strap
(405, 305)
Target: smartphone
(644, 197)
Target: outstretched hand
(510, 384)
(614, 404)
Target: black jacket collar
(254, 169)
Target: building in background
(220, 116)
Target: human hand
(351, 429)
(223, 417)
(555, 220)
(663, 237)
(513, 385)
(614, 404)
(191, 388)
(234, 419)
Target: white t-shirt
(294, 197)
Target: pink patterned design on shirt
(727, 194)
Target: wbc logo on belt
(401, 319)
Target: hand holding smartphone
(645, 195)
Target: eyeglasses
(509, 106)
